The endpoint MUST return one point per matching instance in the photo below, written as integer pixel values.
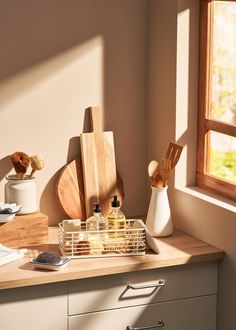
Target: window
(216, 159)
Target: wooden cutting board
(98, 163)
(70, 190)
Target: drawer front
(41, 307)
(143, 287)
(188, 314)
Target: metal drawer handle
(146, 286)
(158, 325)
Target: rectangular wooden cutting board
(98, 162)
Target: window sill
(210, 197)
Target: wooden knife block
(25, 230)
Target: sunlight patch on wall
(61, 86)
(70, 72)
(182, 89)
(44, 105)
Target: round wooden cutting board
(70, 190)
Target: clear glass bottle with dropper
(97, 223)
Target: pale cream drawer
(188, 314)
(39, 307)
(130, 289)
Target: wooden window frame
(205, 123)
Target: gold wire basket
(103, 243)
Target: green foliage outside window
(223, 165)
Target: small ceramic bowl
(8, 211)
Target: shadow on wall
(49, 194)
(59, 66)
(41, 31)
(48, 201)
(49, 88)
(57, 60)
(5, 167)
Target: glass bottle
(97, 224)
(115, 217)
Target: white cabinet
(42, 307)
(172, 298)
(138, 288)
(181, 297)
(188, 314)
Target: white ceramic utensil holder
(22, 192)
(159, 222)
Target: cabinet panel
(193, 313)
(109, 292)
(41, 307)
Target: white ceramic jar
(159, 222)
(22, 192)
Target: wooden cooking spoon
(154, 175)
(152, 170)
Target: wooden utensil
(154, 175)
(37, 163)
(152, 170)
(70, 190)
(158, 180)
(98, 163)
(164, 169)
(173, 152)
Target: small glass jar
(97, 225)
(22, 192)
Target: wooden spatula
(173, 153)
(164, 169)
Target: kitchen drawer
(108, 292)
(188, 314)
(39, 307)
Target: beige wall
(173, 74)
(59, 57)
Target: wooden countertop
(177, 249)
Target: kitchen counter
(178, 249)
